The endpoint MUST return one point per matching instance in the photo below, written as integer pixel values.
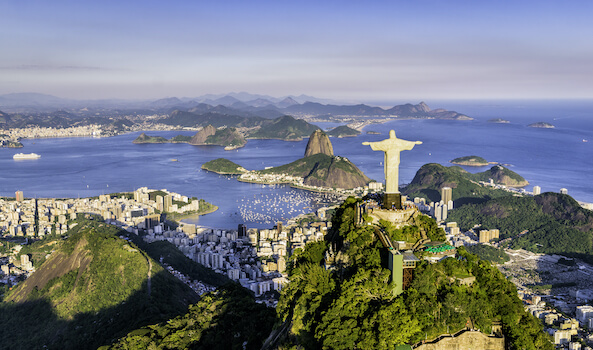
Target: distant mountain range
(236, 104)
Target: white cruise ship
(19, 156)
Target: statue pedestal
(398, 218)
(392, 200)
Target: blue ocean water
(81, 167)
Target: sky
(349, 50)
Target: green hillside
(343, 131)
(226, 319)
(223, 166)
(284, 128)
(430, 178)
(226, 137)
(94, 288)
(556, 223)
(500, 175)
(350, 304)
(180, 139)
(323, 170)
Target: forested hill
(555, 222)
(92, 289)
(430, 178)
(341, 298)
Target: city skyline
(374, 51)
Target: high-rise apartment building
(446, 194)
(19, 196)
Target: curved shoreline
(182, 217)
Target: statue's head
(392, 134)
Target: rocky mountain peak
(200, 137)
(319, 143)
(423, 107)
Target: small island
(223, 166)
(373, 133)
(541, 125)
(143, 138)
(470, 161)
(343, 131)
(229, 138)
(498, 121)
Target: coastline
(181, 217)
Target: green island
(347, 302)
(343, 131)
(143, 138)
(223, 166)
(470, 161)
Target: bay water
(82, 167)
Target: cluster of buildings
(567, 332)
(39, 217)
(296, 181)
(13, 269)
(93, 130)
(255, 258)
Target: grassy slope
(92, 289)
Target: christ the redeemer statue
(392, 146)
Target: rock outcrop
(201, 136)
(319, 143)
(320, 167)
(504, 176)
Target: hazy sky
(358, 50)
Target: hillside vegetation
(223, 166)
(94, 288)
(430, 178)
(228, 318)
(323, 170)
(555, 223)
(470, 161)
(284, 128)
(350, 304)
(343, 131)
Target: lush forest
(347, 302)
(228, 318)
(547, 223)
(486, 252)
